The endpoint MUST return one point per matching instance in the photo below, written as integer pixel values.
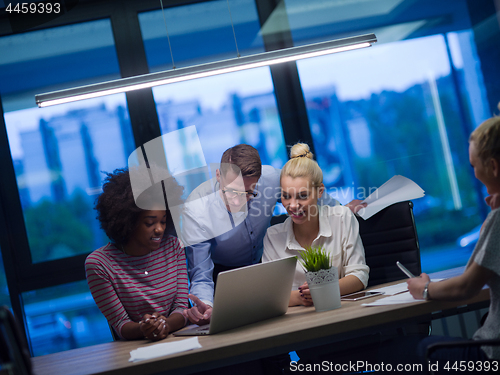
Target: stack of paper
(397, 189)
(392, 290)
(396, 295)
(160, 350)
(394, 300)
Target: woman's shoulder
(105, 250)
(495, 214)
(170, 249)
(275, 240)
(278, 231)
(337, 217)
(101, 256)
(491, 224)
(170, 241)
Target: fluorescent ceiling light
(204, 70)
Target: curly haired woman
(139, 279)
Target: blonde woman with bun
(309, 224)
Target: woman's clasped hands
(154, 326)
(200, 313)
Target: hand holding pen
(416, 285)
(405, 270)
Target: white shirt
(338, 234)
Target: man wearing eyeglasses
(225, 220)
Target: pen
(405, 270)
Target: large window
(200, 33)
(227, 109)
(59, 155)
(60, 152)
(394, 109)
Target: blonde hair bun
(300, 150)
(302, 164)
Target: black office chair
(14, 353)
(390, 236)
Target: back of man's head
(244, 158)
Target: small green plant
(314, 259)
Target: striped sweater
(124, 293)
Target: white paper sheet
(160, 350)
(393, 289)
(397, 189)
(396, 295)
(394, 300)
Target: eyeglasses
(231, 193)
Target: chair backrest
(278, 219)
(389, 236)
(14, 353)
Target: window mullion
(132, 60)
(288, 91)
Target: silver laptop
(248, 295)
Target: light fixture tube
(203, 70)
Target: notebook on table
(248, 295)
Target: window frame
(23, 275)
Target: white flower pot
(324, 287)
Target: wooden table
(300, 328)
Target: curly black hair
(117, 210)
